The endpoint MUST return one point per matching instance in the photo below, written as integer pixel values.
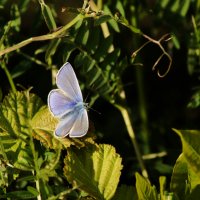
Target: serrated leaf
(24, 160)
(125, 192)
(191, 149)
(43, 125)
(95, 169)
(144, 188)
(16, 111)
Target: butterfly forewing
(59, 103)
(66, 80)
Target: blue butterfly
(66, 103)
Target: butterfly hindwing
(81, 125)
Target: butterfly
(66, 104)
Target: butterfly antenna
(94, 110)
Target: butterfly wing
(66, 81)
(65, 125)
(67, 104)
(80, 126)
(74, 124)
(59, 104)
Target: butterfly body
(66, 103)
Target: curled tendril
(164, 38)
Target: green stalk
(3, 65)
(35, 156)
(50, 36)
(142, 110)
(129, 127)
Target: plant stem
(42, 37)
(129, 127)
(142, 108)
(3, 65)
(35, 156)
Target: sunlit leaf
(144, 188)
(191, 149)
(94, 169)
(16, 111)
(179, 179)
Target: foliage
(34, 164)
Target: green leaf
(83, 33)
(33, 190)
(19, 195)
(144, 188)
(111, 22)
(101, 19)
(184, 7)
(112, 57)
(120, 7)
(191, 149)
(93, 40)
(94, 169)
(15, 14)
(162, 181)
(48, 16)
(16, 111)
(179, 180)
(125, 192)
(164, 3)
(103, 48)
(175, 6)
(51, 49)
(195, 100)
